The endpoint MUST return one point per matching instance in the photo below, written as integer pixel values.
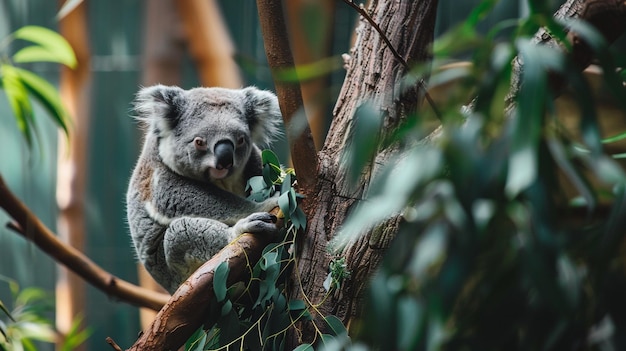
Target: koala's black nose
(224, 151)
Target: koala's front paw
(257, 223)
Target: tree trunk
(71, 168)
(373, 76)
(163, 51)
(311, 46)
(209, 43)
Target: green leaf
(531, 103)
(614, 138)
(268, 156)
(47, 95)
(3, 330)
(52, 46)
(304, 347)
(574, 175)
(286, 185)
(75, 336)
(296, 305)
(18, 100)
(336, 325)
(283, 203)
(364, 142)
(219, 281)
(227, 307)
(196, 341)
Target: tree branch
(278, 52)
(31, 228)
(606, 16)
(191, 305)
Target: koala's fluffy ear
(263, 114)
(161, 106)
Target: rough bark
(373, 76)
(71, 166)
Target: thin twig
(361, 10)
(114, 345)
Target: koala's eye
(240, 141)
(200, 143)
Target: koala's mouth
(215, 173)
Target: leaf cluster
(257, 315)
(513, 223)
(20, 84)
(27, 323)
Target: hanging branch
(31, 228)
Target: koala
(185, 199)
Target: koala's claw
(271, 219)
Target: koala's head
(208, 133)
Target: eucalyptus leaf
(284, 204)
(296, 305)
(336, 325)
(364, 141)
(219, 281)
(56, 47)
(18, 100)
(47, 95)
(196, 341)
(304, 347)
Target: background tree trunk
(311, 45)
(209, 43)
(75, 90)
(373, 76)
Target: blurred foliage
(27, 323)
(513, 237)
(20, 84)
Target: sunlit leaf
(614, 138)
(18, 100)
(47, 95)
(308, 71)
(76, 336)
(53, 47)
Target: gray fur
(179, 214)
